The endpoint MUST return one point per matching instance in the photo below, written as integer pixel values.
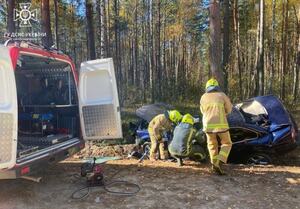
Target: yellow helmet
(187, 118)
(211, 82)
(175, 116)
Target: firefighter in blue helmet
(187, 141)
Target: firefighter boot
(179, 161)
(216, 169)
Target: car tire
(259, 159)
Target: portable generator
(39, 124)
(93, 172)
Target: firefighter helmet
(187, 118)
(211, 82)
(175, 116)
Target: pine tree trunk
(272, 49)
(90, 29)
(215, 42)
(117, 49)
(136, 46)
(64, 30)
(226, 46)
(73, 32)
(237, 46)
(56, 24)
(100, 28)
(284, 49)
(158, 51)
(109, 53)
(46, 24)
(254, 79)
(260, 63)
(10, 16)
(152, 51)
(144, 79)
(105, 29)
(297, 59)
(164, 67)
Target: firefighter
(215, 105)
(157, 127)
(186, 141)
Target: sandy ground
(163, 185)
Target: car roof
(276, 111)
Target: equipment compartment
(47, 104)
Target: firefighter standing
(187, 141)
(157, 127)
(215, 105)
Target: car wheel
(259, 159)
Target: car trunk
(48, 114)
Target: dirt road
(163, 185)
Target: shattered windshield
(254, 113)
(252, 107)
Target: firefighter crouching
(215, 105)
(187, 141)
(157, 127)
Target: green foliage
(161, 48)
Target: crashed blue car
(261, 129)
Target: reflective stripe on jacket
(158, 125)
(215, 106)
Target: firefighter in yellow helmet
(187, 141)
(157, 127)
(214, 106)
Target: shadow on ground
(163, 185)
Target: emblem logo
(25, 15)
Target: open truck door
(8, 111)
(98, 100)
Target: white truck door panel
(98, 100)
(8, 111)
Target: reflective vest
(215, 106)
(158, 125)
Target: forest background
(166, 50)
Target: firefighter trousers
(157, 144)
(213, 147)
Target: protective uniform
(215, 105)
(187, 141)
(157, 126)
